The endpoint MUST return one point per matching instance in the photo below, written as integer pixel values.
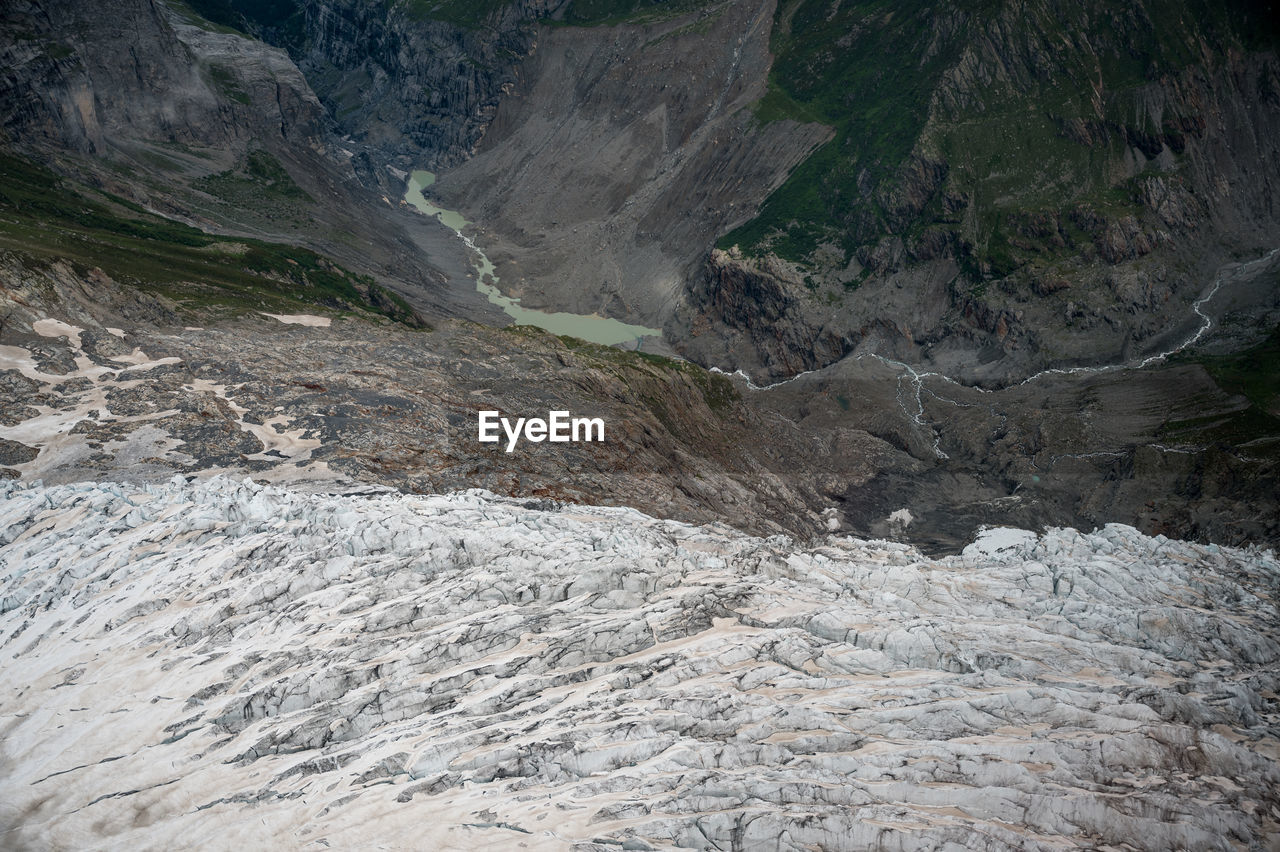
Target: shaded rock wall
(86, 76)
(409, 87)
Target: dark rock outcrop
(416, 88)
(90, 76)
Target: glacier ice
(223, 664)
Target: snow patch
(58, 328)
(301, 319)
(999, 541)
(137, 359)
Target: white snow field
(221, 665)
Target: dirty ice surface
(260, 668)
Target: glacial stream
(917, 379)
(597, 329)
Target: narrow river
(597, 329)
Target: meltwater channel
(597, 329)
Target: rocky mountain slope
(1050, 182)
(136, 391)
(99, 380)
(149, 103)
(1039, 185)
(251, 666)
(232, 363)
(621, 153)
(1044, 187)
(602, 160)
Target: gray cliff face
(93, 76)
(68, 90)
(621, 153)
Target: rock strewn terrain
(248, 665)
(104, 382)
(349, 400)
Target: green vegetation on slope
(717, 390)
(262, 188)
(472, 14)
(957, 115)
(280, 22)
(47, 218)
(844, 66)
(226, 83)
(1253, 373)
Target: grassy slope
(259, 192)
(869, 70)
(1253, 373)
(47, 218)
(716, 389)
(844, 70)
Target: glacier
(213, 663)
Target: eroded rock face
(89, 77)
(248, 664)
(619, 154)
(407, 85)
